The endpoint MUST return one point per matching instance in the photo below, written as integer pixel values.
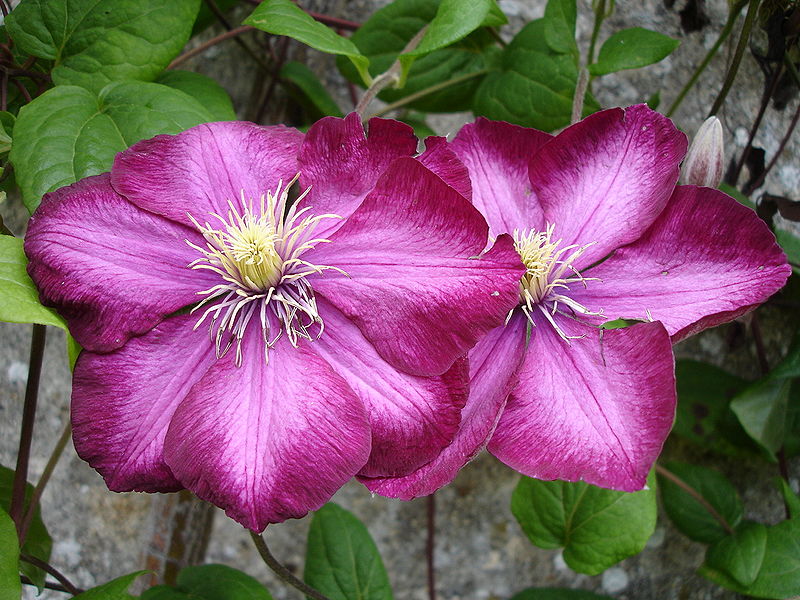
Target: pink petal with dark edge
(122, 403)
(493, 362)
(497, 155)
(412, 418)
(706, 260)
(604, 180)
(111, 269)
(415, 285)
(441, 159)
(199, 171)
(596, 410)
(268, 442)
(341, 163)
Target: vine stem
(26, 429)
(206, 45)
(429, 90)
(66, 434)
(48, 585)
(48, 568)
(744, 38)
(390, 76)
(282, 572)
(430, 546)
(696, 495)
(733, 16)
(580, 93)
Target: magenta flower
(324, 337)
(604, 233)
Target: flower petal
(199, 171)
(604, 180)
(412, 418)
(493, 362)
(706, 260)
(497, 155)
(341, 163)
(122, 403)
(597, 410)
(441, 159)
(111, 269)
(268, 441)
(415, 285)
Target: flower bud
(704, 161)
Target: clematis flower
(261, 352)
(605, 234)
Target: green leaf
(557, 594)
(417, 121)
(210, 582)
(703, 414)
(534, 85)
(559, 32)
(342, 561)
(10, 586)
(653, 101)
(762, 410)
(203, 89)
(6, 129)
(69, 133)
(779, 572)
(384, 35)
(206, 17)
(791, 499)
(791, 245)
(116, 589)
(19, 298)
(496, 17)
(284, 17)
(632, 48)
(38, 542)
(690, 516)
(740, 555)
(93, 43)
(73, 350)
(596, 527)
(312, 94)
(736, 195)
(620, 323)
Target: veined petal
(597, 409)
(122, 403)
(199, 171)
(706, 260)
(440, 158)
(412, 418)
(604, 180)
(493, 362)
(341, 163)
(268, 441)
(497, 155)
(111, 269)
(417, 285)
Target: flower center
(549, 275)
(256, 251)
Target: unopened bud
(704, 161)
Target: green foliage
(92, 43)
(284, 17)
(750, 564)
(791, 499)
(116, 589)
(38, 542)
(19, 298)
(791, 245)
(10, 586)
(689, 515)
(210, 582)
(6, 130)
(631, 49)
(69, 133)
(203, 89)
(557, 594)
(342, 561)
(559, 33)
(596, 527)
(309, 91)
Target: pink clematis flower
(605, 233)
(257, 352)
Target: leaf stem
(206, 45)
(733, 16)
(43, 480)
(430, 546)
(26, 429)
(282, 572)
(48, 568)
(429, 90)
(696, 495)
(580, 93)
(744, 38)
(48, 585)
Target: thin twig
(212, 6)
(42, 483)
(580, 93)
(696, 495)
(48, 568)
(22, 90)
(26, 430)
(430, 547)
(285, 574)
(761, 352)
(50, 585)
(206, 45)
(334, 21)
